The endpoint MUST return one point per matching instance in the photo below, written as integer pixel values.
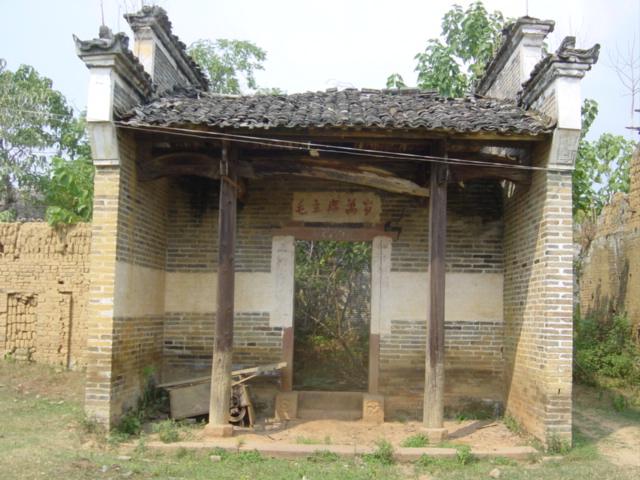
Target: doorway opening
(332, 315)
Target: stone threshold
(292, 451)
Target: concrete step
(328, 414)
(314, 405)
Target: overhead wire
(324, 148)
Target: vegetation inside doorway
(332, 315)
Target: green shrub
(464, 455)
(382, 455)
(130, 423)
(416, 441)
(605, 349)
(168, 431)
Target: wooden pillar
(223, 344)
(433, 410)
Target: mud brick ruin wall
(43, 292)
(610, 267)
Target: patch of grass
(168, 431)
(252, 456)
(307, 441)
(383, 454)
(433, 463)
(503, 461)
(620, 403)
(91, 426)
(323, 456)
(557, 445)
(419, 440)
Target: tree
(228, 63)
(452, 63)
(69, 193)
(602, 167)
(37, 124)
(34, 119)
(332, 289)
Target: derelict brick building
(200, 197)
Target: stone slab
(373, 408)
(286, 406)
(296, 451)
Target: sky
(315, 45)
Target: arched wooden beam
(374, 178)
(181, 163)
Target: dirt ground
(43, 434)
(617, 437)
(487, 434)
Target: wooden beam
(223, 343)
(433, 410)
(358, 176)
(345, 233)
(462, 173)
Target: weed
(252, 456)
(427, 462)
(503, 461)
(182, 453)
(557, 446)
(167, 430)
(327, 440)
(148, 405)
(91, 426)
(464, 455)
(416, 441)
(307, 441)
(9, 358)
(620, 403)
(512, 425)
(220, 452)
(383, 454)
(323, 456)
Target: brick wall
(538, 289)
(475, 231)
(126, 308)
(43, 292)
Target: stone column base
(373, 408)
(218, 430)
(436, 435)
(286, 406)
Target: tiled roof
(411, 109)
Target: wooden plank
(190, 401)
(433, 412)
(223, 343)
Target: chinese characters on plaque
(336, 207)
